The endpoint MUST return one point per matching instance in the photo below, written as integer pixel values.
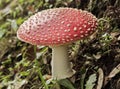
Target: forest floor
(96, 59)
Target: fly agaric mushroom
(57, 28)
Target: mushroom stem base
(61, 66)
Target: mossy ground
(21, 64)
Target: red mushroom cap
(57, 26)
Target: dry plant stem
(112, 74)
(61, 67)
(100, 79)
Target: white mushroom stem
(61, 66)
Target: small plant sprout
(57, 28)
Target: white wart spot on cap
(68, 25)
(75, 35)
(75, 28)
